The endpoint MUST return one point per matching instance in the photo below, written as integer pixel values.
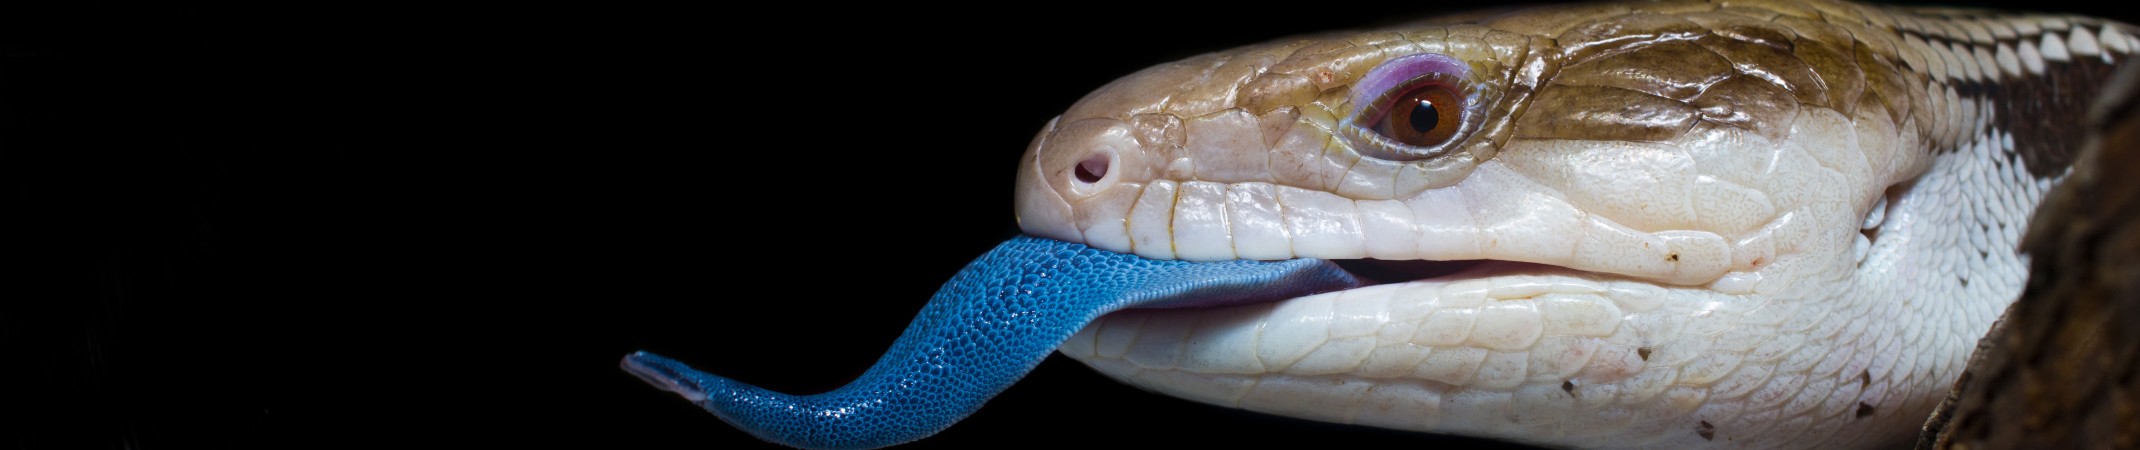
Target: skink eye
(1424, 117)
(1412, 108)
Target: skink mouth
(1382, 271)
(1373, 272)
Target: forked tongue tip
(982, 331)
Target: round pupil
(1424, 118)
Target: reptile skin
(1744, 224)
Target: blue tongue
(993, 322)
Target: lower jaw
(1447, 353)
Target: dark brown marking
(1677, 70)
(1568, 387)
(1865, 379)
(1764, 33)
(1864, 409)
(1707, 431)
(1838, 71)
(1604, 113)
(1886, 84)
(2042, 112)
(1777, 65)
(1635, 30)
(1672, 257)
(1749, 103)
(1643, 352)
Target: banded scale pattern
(2022, 71)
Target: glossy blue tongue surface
(983, 330)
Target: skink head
(1653, 142)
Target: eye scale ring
(1402, 70)
(1412, 108)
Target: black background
(358, 225)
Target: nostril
(1092, 169)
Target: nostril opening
(1092, 169)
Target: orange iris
(1424, 117)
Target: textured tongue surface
(993, 322)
